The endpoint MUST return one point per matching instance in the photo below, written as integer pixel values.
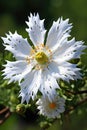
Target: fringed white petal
(16, 71)
(57, 32)
(48, 84)
(69, 50)
(17, 45)
(30, 85)
(65, 71)
(36, 29)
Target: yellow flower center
(41, 57)
(52, 105)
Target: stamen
(38, 54)
(41, 57)
(28, 60)
(52, 105)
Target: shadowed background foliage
(13, 15)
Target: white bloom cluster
(38, 68)
(51, 109)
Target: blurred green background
(14, 13)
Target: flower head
(39, 67)
(51, 109)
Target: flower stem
(5, 113)
(75, 106)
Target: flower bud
(20, 108)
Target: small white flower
(51, 109)
(38, 67)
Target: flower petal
(64, 71)
(30, 85)
(69, 50)
(36, 29)
(48, 84)
(59, 29)
(16, 71)
(17, 45)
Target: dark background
(13, 14)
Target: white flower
(38, 67)
(51, 109)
